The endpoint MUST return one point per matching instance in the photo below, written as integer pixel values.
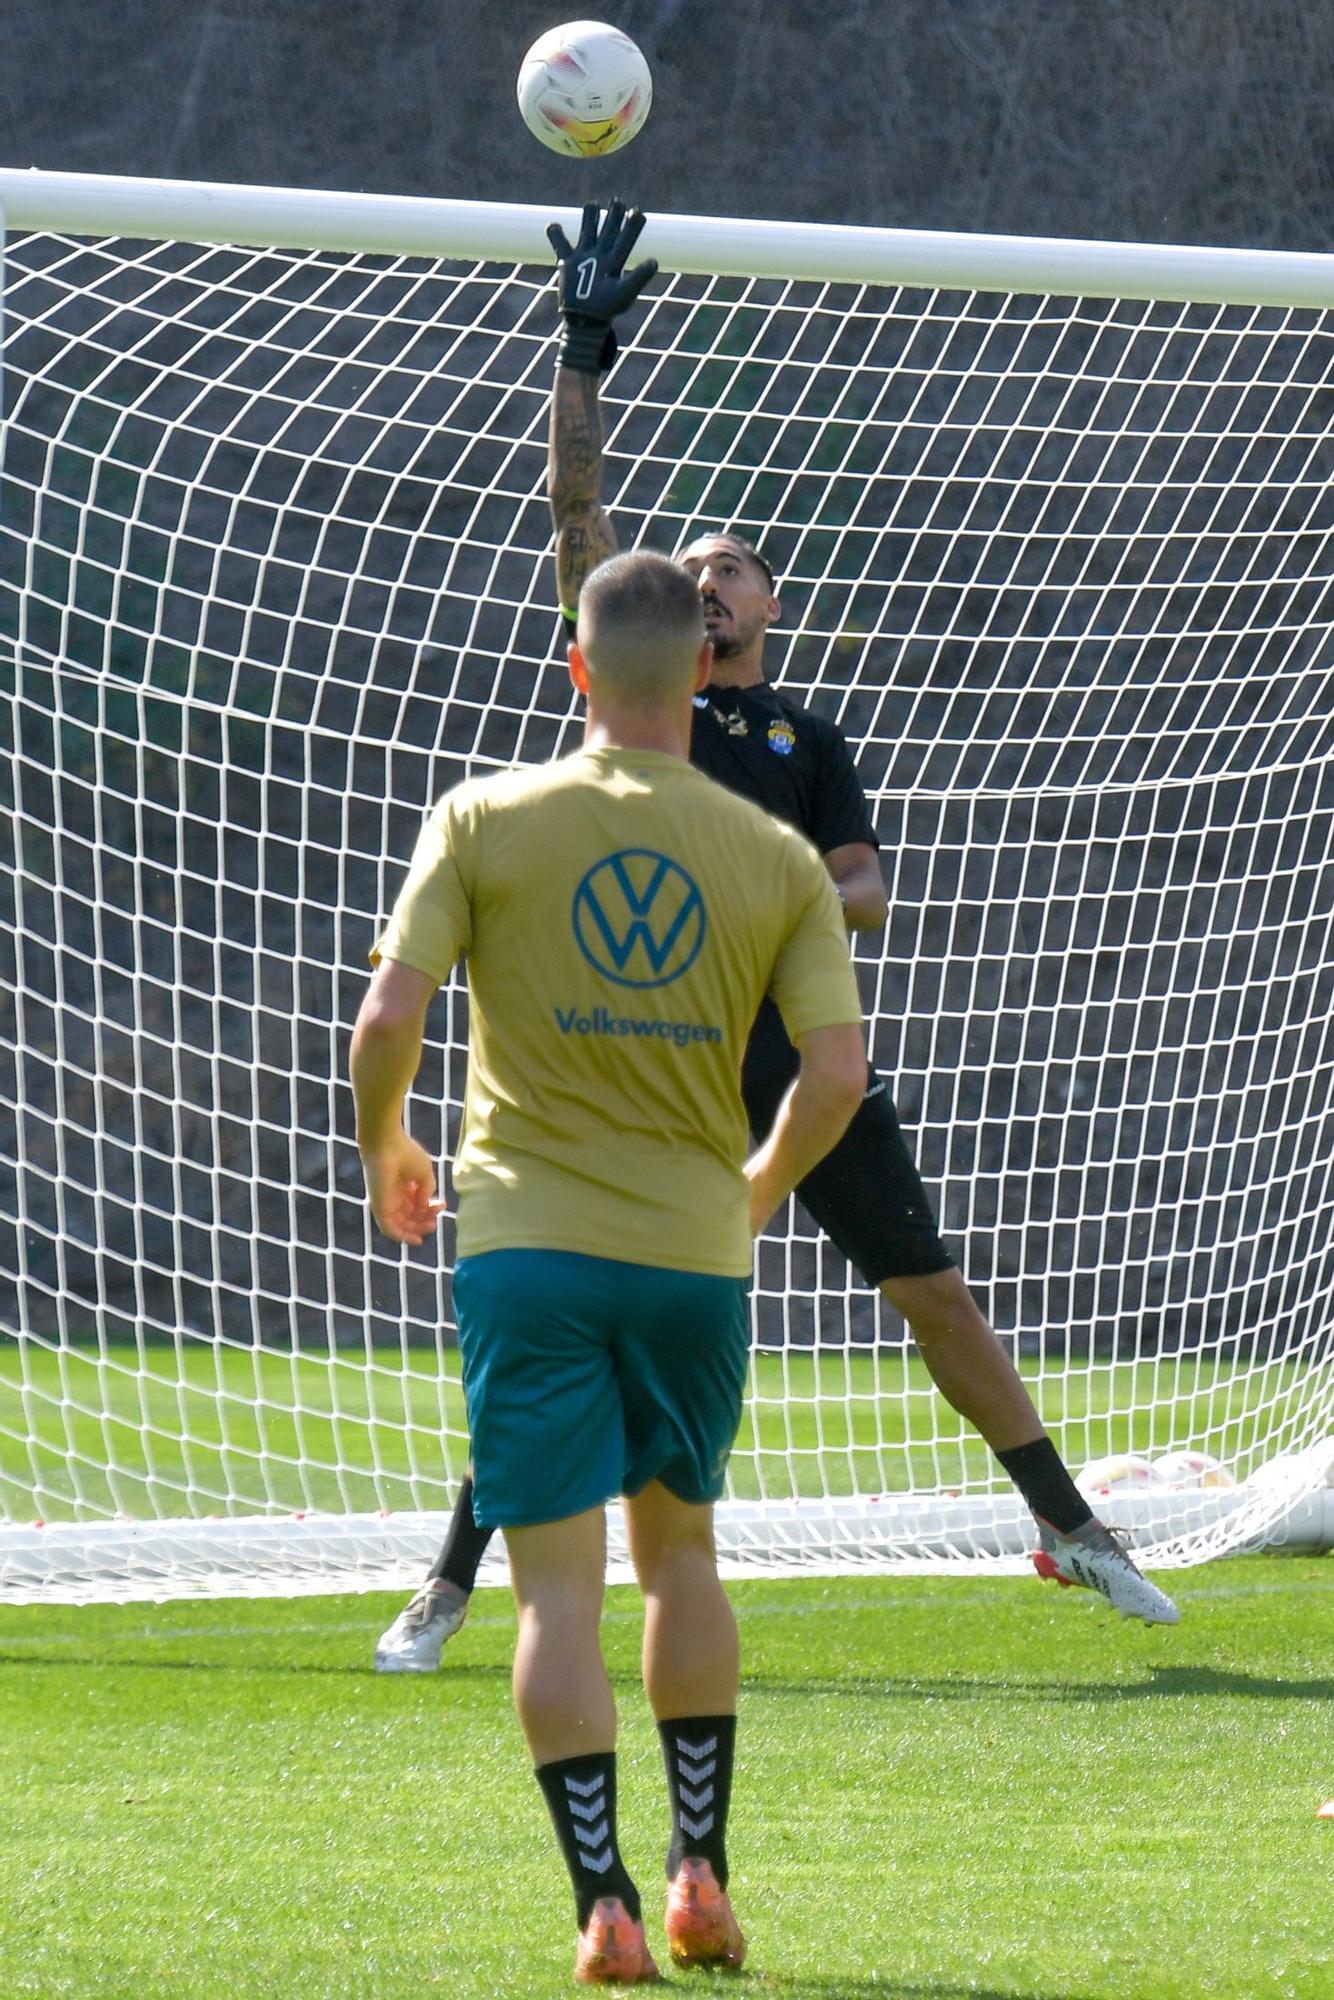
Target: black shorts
(867, 1194)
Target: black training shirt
(779, 755)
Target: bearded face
(739, 604)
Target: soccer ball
(1192, 1468)
(1121, 1473)
(584, 89)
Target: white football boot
(1093, 1558)
(414, 1641)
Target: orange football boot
(612, 1949)
(701, 1927)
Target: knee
(931, 1329)
(677, 1568)
(566, 1629)
(937, 1308)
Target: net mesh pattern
(275, 571)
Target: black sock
(1038, 1472)
(465, 1544)
(698, 1752)
(581, 1796)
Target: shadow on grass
(839, 1986)
(1157, 1684)
(1161, 1682)
(297, 1669)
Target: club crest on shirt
(782, 738)
(730, 720)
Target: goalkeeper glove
(595, 285)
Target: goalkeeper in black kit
(866, 1194)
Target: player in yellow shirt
(622, 918)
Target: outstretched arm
(595, 288)
(584, 534)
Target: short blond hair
(641, 626)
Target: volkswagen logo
(639, 918)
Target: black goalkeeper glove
(595, 285)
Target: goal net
(275, 570)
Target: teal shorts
(586, 1378)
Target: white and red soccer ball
(1174, 1471)
(1191, 1469)
(1121, 1472)
(584, 89)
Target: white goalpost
(1055, 523)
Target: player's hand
(594, 284)
(764, 1202)
(400, 1184)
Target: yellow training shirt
(623, 916)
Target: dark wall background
(1164, 120)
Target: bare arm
(856, 874)
(584, 535)
(386, 1050)
(812, 1117)
(595, 289)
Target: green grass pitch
(236, 1429)
(947, 1788)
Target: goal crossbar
(708, 246)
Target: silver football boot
(415, 1640)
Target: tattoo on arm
(579, 550)
(581, 544)
(584, 535)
